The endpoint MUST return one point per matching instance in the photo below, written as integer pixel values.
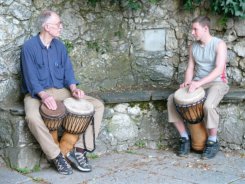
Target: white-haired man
(48, 76)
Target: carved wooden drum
(190, 108)
(53, 118)
(79, 115)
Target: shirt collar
(41, 43)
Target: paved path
(143, 166)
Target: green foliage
(131, 151)
(92, 156)
(100, 48)
(160, 144)
(93, 45)
(140, 144)
(119, 34)
(223, 20)
(130, 4)
(144, 105)
(23, 170)
(133, 4)
(93, 2)
(36, 168)
(154, 1)
(69, 45)
(27, 170)
(159, 105)
(191, 4)
(227, 8)
(39, 180)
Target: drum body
(53, 118)
(190, 108)
(79, 115)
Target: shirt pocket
(59, 71)
(42, 70)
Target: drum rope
(187, 111)
(84, 142)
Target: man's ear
(46, 27)
(206, 28)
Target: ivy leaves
(227, 8)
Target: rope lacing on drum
(191, 112)
(84, 142)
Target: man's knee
(170, 100)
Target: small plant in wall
(69, 45)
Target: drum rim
(179, 99)
(53, 117)
(192, 104)
(77, 114)
(70, 110)
(62, 115)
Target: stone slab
(15, 109)
(124, 97)
(234, 95)
(161, 94)
(23, 157)
(8, 176)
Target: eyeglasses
(56, 24)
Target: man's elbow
(219, 70)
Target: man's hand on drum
(48, 100)
(193, 86)
(77, 93)
(184, 84)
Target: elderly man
(48, 76)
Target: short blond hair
(202, 20)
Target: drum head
(183, 97)
(60, 111)
(78, 106)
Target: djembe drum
(79, 115)
(53, 118)
(190, 108)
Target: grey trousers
(41, 132)
(215, 91)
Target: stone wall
(115, 49)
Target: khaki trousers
(41, 132)
(215, 91)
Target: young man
(206, 68)
(48, 76)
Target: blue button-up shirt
(44, 68)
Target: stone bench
(131, 118)
(234, 95)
